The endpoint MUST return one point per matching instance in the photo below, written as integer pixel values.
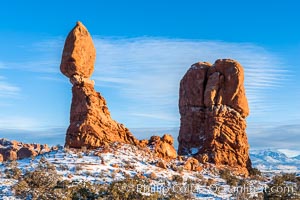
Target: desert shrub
(40, 183)
(127, 189)
(37, 185)
(78, 167)
(243, 182)
(290, 177)
(64, 167)
(210, 182)
(228, 177)
(180, 169)
(44, 185)
(88, 173)
(199, 176)
(254, 172)
(200, 179)
(79, 155)
(128, 165)
(14, 173)
(177, 178)
(84, 191)
(244, 191)
(45, 165)
(243, 194)
(282, 187)
(12, 170)
(22, 189)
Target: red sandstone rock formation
(90, 122)
(192, 164)
(163, 146)
(13, 150)
(213, 107)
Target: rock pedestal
(213, 107)
(90, 122)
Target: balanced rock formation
(213, 107)
(90, 122)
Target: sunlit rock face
(213, 107)
(163, 147)
(90, 122)
(13, 150)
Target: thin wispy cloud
(18, 123)
(43, 65)
(145, 72)
(8, 90)
(280, 136)
(149, 70)
(149, 115)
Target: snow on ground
(106, 165)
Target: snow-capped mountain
(273, 160)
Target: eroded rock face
(79, 53)
(90, 122)
(213, 107)
(192, 164)
(26, 152)
(163, 146)
(13, 150)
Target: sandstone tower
(213, 107)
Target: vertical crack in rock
(213, 107)
(90, 122)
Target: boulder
(161, 164)
(192, 164)
(79, 53)
(163, 146)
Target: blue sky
(143, 50)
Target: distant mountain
(273, 160)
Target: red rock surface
(192, 164)
(13, 150)
(90, 122)
(26, 152)
(213, 107)
(79, 53)
(163, 146)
